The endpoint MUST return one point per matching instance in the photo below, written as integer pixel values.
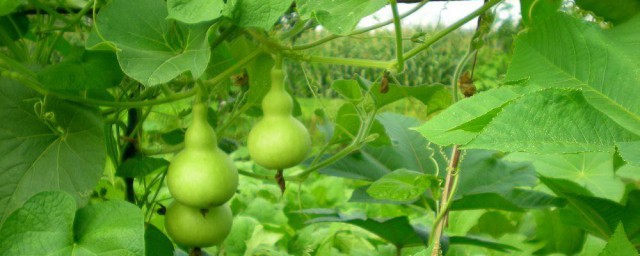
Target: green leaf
(538, 10)
(349, 89)
(48, 224)
(194, 11)
(563, 51)
(151, 49)
(598, 216)
(480, 242)
(619, 12)
(551, 121)
(257, 13)
(15, 25)
(408, 150)
(495, 224)
(442, 129)
(397, 231)
(557, 236)
(348, 123)
(7, 6)
(399, 185)
(140, 166)
(339, 18)
(83, 70)
(631, 218)
(436, 97)
(592, 170)
(156, 243)
(58, 146)
(619, 244)
(630, 152)
(241, 231)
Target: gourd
(278, 141)
(195, 227)
(201, 175)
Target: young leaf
(151, 49)
(48, 222)
(349, 89)
(340, 18)
(436, 97)
(619, 244)
(400, 185)
(56, 146)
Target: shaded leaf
(619, 12)
(58, 146)
(598, 216)
(400, 185)
(83, 70)
(156, 243)
(436, 97)
(140, 166)
(557, 236)
(630, 152)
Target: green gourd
(195, 227)
(278, 141)
(201, 175)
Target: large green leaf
(338, 17)
(532, 9)
(593, 170)
(156, 243)
(444, 129)
(48, 224)
(151, 48)
(551, 121)
(631, 218)
(58, 146)
(563, 51)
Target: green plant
(505, 140)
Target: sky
(442, 13)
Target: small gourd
(278, 141)
(201, 175)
